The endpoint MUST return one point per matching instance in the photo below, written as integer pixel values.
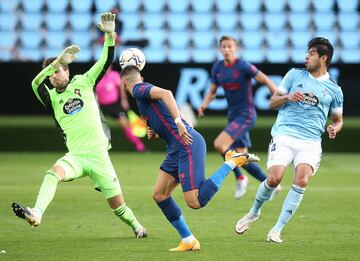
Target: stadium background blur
(180, 41)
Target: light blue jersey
(307, 119)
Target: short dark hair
(49, 60)
(227, 37)
(323, 47)
(129, 70)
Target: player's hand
(201, 110)
(68, 55)
(296, 97)
(151, 134)
(184, 135)
(107, 22)
(331, 131)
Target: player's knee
(58, 172)
(301, 182)
(218, 146)
(158, 197)
(273, 181)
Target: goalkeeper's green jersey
(76, 110)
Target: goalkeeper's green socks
(127, 216)
(47, 191)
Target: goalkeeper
(76, 112)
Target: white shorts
(283, 150)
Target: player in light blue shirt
(305, 97)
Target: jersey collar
(322, 78)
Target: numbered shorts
(239, 129)
(187, 163)
(283, 150)
(97, 167)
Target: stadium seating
(191, 28)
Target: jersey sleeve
(336, 106)
(213, 74)
(250, 70)
(142, 92)
(98, 70)
(39, 87)
(286, 82)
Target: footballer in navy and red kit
(236, 81)
(186, 163)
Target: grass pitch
(79, 226)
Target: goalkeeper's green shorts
(97, 166)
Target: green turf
(79, 226)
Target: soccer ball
(132, 56)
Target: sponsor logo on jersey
(310, 99)
(77, 92)
(73, 106)
(299, 86)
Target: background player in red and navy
(185, 155)
(235, 75)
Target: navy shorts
(239, 129)
(114, 110)
(187, 163)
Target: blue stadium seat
(178, 21)
(81, 21)
(85, 55)
(82, 6)
(81, 38)
(299, 39)
(178, 6)
(202, 6)
(324, 20)
(251, 21)
(6, 56)
(153, 21)
(299, 6)
(105, 5)
(56, 21)
(30, 39)
(8, 21)
(130, 8)
(7, 39)
(48, 52)
(56, 6)
(203, 39)
(130, 20)
(56, 39)
(131, 34)
(179, 55)
(203, 21)
(332, 35)
(277, 55)
(298, 55)
(156, 37)
(323, 6)
(31, 21)
(155, 6)
(299, 21)
(275, 21)
(350, 39)
(154, 55)
(275, 5)
(31, 54)
(252, 39)
(348, 5)
(250, 6)
(32, 6)
(350, 55)
(226, 6)
(221, 33)
(277, 39)
(226, 21)
(8, 6)
(348, 21)
(201, 55)
(253, 55)
(178, 39)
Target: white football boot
(274, 236)
(241, 186)
(243, 224)
(140, 232)
(31, 215)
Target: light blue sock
(263, 193)
(291, 203)
(218, 176)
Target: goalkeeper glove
(68, 55)
(107, 23)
